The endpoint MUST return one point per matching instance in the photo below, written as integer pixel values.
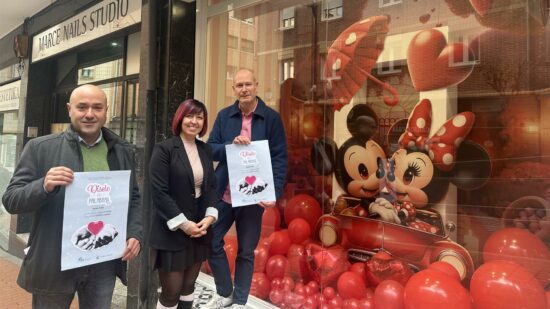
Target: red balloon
(520, 246)
(261, 254)
(276, 267)
(280, 242)
(297, 263)
(288, 283)
(260, 286)
(382, 266)
(271, 221)
(299, 230)
(303, 206)
(351, 303)
(312, 287)
(548, 300)
(506, 285)
(351, 285)
(366, 303)
(231, 247)
(276, 297)
(389, 295)
(446, 268)
(430, 289)
(329, 292)
(360, 269)
(326, 264)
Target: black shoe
(185, 304)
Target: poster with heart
(95, 218)
(250, 173)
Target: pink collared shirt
(246, 130)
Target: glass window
(232, 42)
(132, 54)
(8, 73)
(99, 72)
(383, 3)
(247, 45)
(287, 69)
(442, 114)
(287, 18)
(332, 9)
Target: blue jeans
(94, 285)
(248, 222)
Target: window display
(419, 161)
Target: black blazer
(173, 192)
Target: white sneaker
(238, 306)
(218, 302)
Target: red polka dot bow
(442, 146)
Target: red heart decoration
(95, 227)
(250, 179)
(429, 61)
(482, 6)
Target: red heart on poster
(95, 227)
(482, 6)
(250, 179)
(434, 64)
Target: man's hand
(266, 204)
(132, 249)
(58, 176)
(241, 140)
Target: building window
(287, 69)
(287, 18)
(87, 73)
(232, 42)
(247, 46)
(231, 70)
(386, 68)
(470, 55)
(384, 3)
(332, 9)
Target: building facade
(416, 132)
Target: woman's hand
(203, 225)
(190, 228)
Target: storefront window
(417, 145)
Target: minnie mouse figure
(419, 173)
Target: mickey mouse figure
(359, 163)
(419, 173)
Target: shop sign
(99, 20)
(9, 96)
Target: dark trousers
(94, 285)
(248, 222)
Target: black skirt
(180, 260)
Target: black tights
(175, 283)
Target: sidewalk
(14, 297)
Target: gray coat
(41, 268)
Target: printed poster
(250, 173)
(95, 218)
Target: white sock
(161, 306)
(188, 297)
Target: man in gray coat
(38, 184)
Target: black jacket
(173, 192)
(41, 268)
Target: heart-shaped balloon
(95, 227)
(382, 266)
(434, 64)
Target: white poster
(95, 218)
(250, 173)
